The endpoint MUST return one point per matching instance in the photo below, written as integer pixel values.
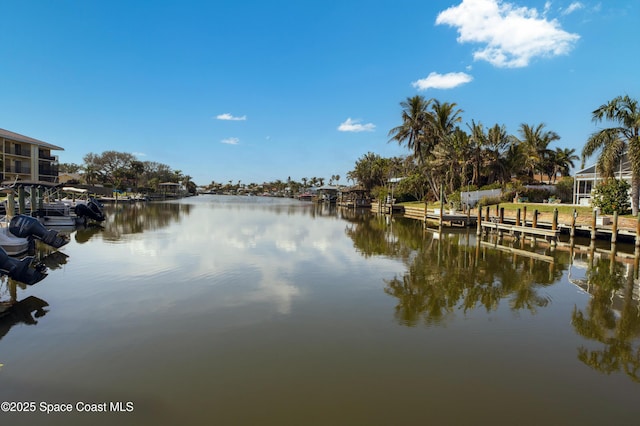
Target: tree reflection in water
(446, 273)
(611, 318)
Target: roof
(590, 172)
(26, 139)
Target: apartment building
(27, 159)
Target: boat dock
(492, 220)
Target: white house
(585, 181)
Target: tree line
(446, 157)
(122, 170)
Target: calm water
(249, 310)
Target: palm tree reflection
(446, 272)
(611, 318)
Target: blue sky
(263, 90)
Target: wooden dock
(521, 224)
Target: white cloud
(139, 154)
(354, 126)
(512, 36)
(442, 81)
(576, 5)
(228, 117)
(231, 141)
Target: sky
(256, 91)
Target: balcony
(17, 151)
(25, 170)
(48, 170)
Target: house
(585, 181)
(70, 177)
(28, 159)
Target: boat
(29, 227)
(53, 210)
(21, 269)
(13, 245)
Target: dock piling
(21, 202)
(11, 205)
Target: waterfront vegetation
(445, 158)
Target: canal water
(248, 310)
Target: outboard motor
(20, 269)
(91, 210)
(24, 226)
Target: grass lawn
(541, 207)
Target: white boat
(14, 246)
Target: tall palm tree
(563, 161)
(445, 117)
(412, 130)
(534, 145)
(477, 140)
(615, 142)
(496, 144)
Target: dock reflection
(447, 273)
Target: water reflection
(450, 273)
(612, 318)
(135, 218)
(13, 311)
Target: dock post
(40, 195)
(614, 229)
(488, 214)
(638, 233)
(518, 217)
(572, 231)
(554, 227)
(21, 202)
(441, 207)
(424, 219)
(479, 223)
(534, 224)
(11, 205)
(524, 218)
(501, 214)
(34, 200)
(593, 225)
(497, 209)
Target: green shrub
(454, 200)
(495, 185)
(535, 195)
(564, 189)
(508, 196)
(488, 201)
(612, 195)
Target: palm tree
(563, 161)
(534, 145)
(444, 120)
(412, 130)
(444, 138)
(494, 161)
(615, 142)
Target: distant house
(585, 181)
(70, 177)
(26, 158)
